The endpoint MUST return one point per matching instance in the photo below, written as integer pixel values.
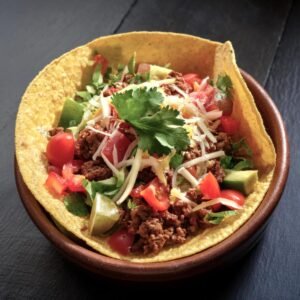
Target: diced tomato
(73, 182)
(205, 96)
(143, 68)
(100, 59)
(54, 169)
(136, 192)
(60, 149)
(156, 195)
(233, 195)
(121, 241)
(67, 171)
(190, 78)
(209, 187)
(229, 125)
(212, 106)
(118, 140)
(56, 184)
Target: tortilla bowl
(68, 73)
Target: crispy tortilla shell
(42, 103)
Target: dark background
(265, 35)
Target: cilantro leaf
(131, 204)
(241, 145)
(227, 162)
(161, 132)
(224, 84)
(176, 161)
(218, 217)
(75, 204)
(134, 104)
(159, 129)
(236, 163)
(243, 164)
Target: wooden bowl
(219, 255)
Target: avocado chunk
(243, 181)
(157, 72)
(71, 115)
(104, 215)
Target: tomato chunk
(136, 192)
(233, 195)
(229, 125)
(101, 60)
(190, 78)
(118, 140)
(56, 184)
(156, 195)
(209, 186)
(73, 182)
(143, 68)
(121, 241)
(60, 149)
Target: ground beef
(146, 175)
(194, 194)
(87, 143)
(55, 131)
(191, 153)
(179, 82)
(155, 230)
(95, 170)
(223, 143)
(214, 167)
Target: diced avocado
(104, 215)
(71, 115)
(157, 72)
(243, 181)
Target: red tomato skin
(60, 149)
(73, 182)
(55, 184)
(143, 68)
(54, 169)
(190, 78)
(233, 195)
(121, 241)
(209, 187)
(229, 125)
(211, 107)
(120, 141)
(136, 192)
(100, 59)
(155, 194)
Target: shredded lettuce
(218, 217)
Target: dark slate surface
(266, 39)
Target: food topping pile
(149, 156)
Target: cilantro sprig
(159, 129)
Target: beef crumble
(155, 230)
(95, 170)
(87, 143)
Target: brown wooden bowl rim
(100, 264)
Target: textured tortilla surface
(42, 103)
